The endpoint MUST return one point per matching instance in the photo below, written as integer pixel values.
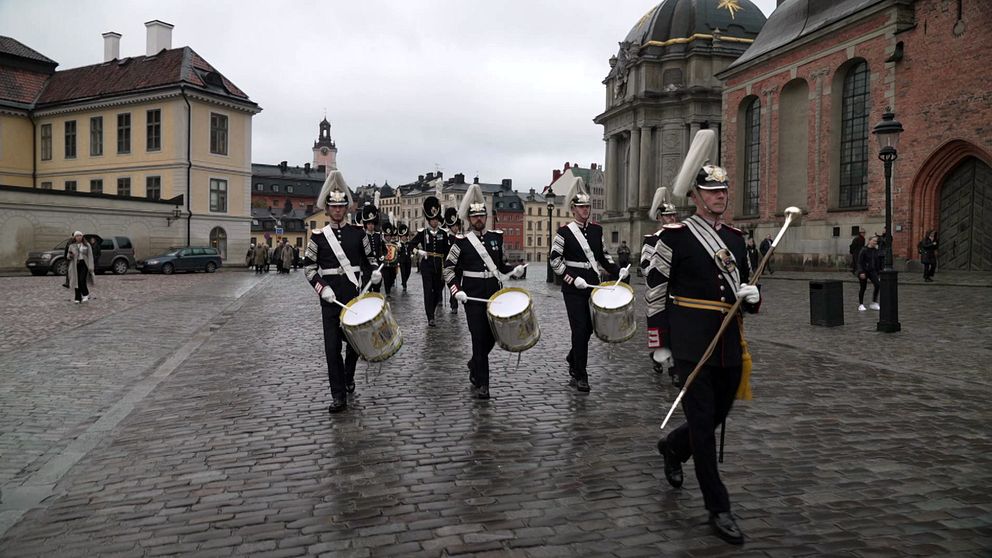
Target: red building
(510, 218)
(800, 104)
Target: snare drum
(370, 327)
(511, 316)
(613, 313)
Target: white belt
(583, 265)
(478, 274)
(338, 270)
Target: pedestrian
(474, 267)
(753, 257)
(285, 257)
(928, 255)
(65, 256)
(623, 254)
(766, 245)
(689, 255)
(336, 281)
(577, 256)
(666, 214)
(433, 246)
(81, 267)
(296, 258)
(869, 264)
(261, 256)
(857, 243)
(250, 256)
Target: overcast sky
(502, 89)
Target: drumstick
(348, 308)
(472, 298)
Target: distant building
(595, 182)
(541, 222)
(508, 216)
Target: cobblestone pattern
(843, 452)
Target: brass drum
(370, 327)
(512, 318)
(613, 317)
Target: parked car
(186, 258)
(116, 254)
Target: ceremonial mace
(791, 214)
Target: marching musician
(432, 245)
(663, 211)
(475, 266)
(454, 225)
(703, 269)
(335, 258)
(405, 259)
(390, 258)
(369, 219)
(577, 255)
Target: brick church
(800, 104)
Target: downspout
(34, 151)
(189, 164)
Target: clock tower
(324, 151)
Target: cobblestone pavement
(857, 443)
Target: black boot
(726, 528)
(482, 392)
(338, 404)
(673, 465)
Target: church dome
(679, 22)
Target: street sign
(279, 230)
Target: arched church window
(752, 157)
(854, 138)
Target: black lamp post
(550, 197)
(887, 131)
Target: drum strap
(473, 239)
(712, 243)
(584, 244)
(343, 260)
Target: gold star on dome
(732, 6)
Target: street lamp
(887, 131)
(550, 197)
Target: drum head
(363, 309)
(508, 303)
(610, 299)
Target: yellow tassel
(744, 388)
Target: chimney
(306, 168)
(283, 165)
(592, 166)
(420, 178)
(475, 180)
(459, 178)
(430, 176)
(111, 46)
(555, 175)
(507, 183)
(159, 37)
(567, 165)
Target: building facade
(801, 104)
(541, 221)
(660, 90)
(508, 216)
(594, 179)
(163, 126)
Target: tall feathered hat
(370, 213)
(403, 229)
(662, 202)
(432, 208)
(451, 217)
(474, 203)
(335, 191)
(698, 170)
(388, 229)
(577, 194)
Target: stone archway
(218, 239)
(965, 233)
(928, 184)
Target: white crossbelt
(583, 265)
(478, 274)
(338, 270)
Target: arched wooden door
(965, 234)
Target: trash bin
(826, 303)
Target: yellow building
(166, 129)
(537, 221)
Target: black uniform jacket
(436, 244)
(565, 249)
(378, 245)
(687, 269)
(404, 252)
(319, 256)
(463, 257)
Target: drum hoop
(381, 311)
(618, 309)
(530, 302)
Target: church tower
(324, 151)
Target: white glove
(518, 271)
(624, 273)
(460, 296)
(663, 357)
(580, 283)
(376, 277)
(749, 293)
(419, 252)
(328, 295)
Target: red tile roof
(17, 48)
(21, 86)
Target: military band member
(432, 245)
(390, 250)
(406, 261)
(369, 219)
(703, 267)
(475, 267)
(577, 256)
(664, 211)
(335, 257)
(454, 226)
